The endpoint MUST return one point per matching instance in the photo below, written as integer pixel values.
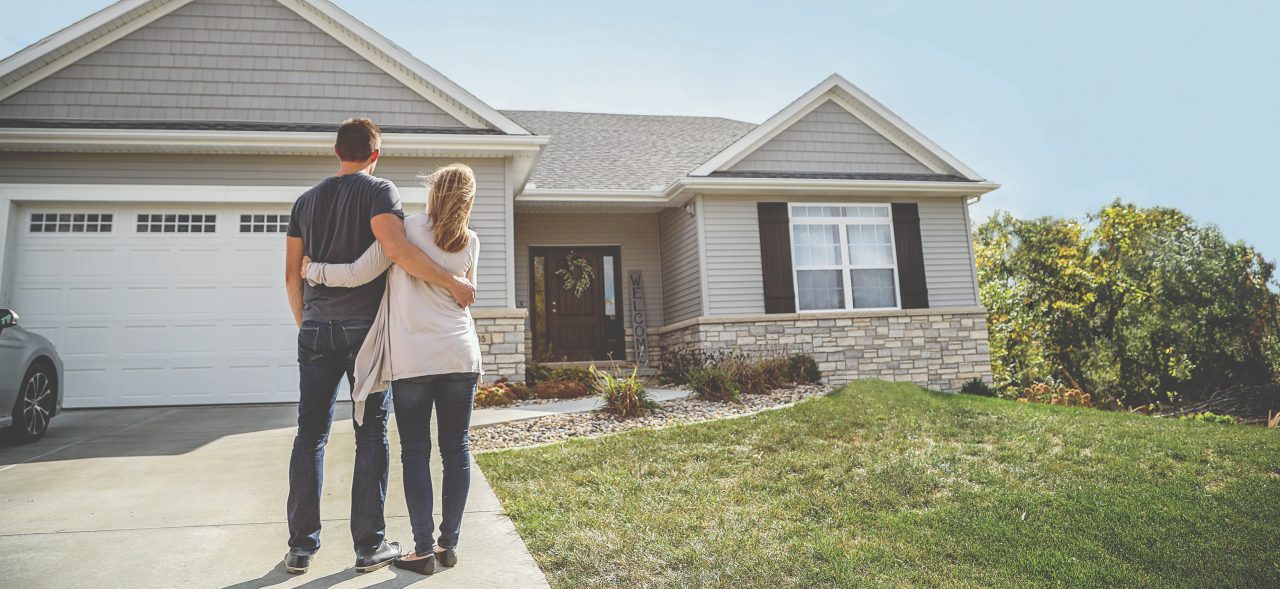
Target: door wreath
(578, 274)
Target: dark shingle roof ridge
(622, 114)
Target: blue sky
(1069, 105)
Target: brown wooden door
(577, 325)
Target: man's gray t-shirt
(333, 220)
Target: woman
(424, 345)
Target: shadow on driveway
(105, 433)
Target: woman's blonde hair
(453, 190)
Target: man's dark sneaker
(296, 564)
(422, 566)
(383, 556)
(447, 557)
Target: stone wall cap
(810, 316)
(499, 313)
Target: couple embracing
(382, 300)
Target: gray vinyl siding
(734, 284)
(830, 139)
(637, 234)
(225, 60)
(488, 217)
(681, 273)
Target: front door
(576, 292)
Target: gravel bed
(555, 428)
(528, 402)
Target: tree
(1137, 305)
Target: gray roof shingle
(623, 152)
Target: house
(149, 155)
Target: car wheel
(34, 408)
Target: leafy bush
(714, 384)
(560, 389)
(977, 386)
(536, 373)
(1129, 303)
(624, 396)
(677, 364)
(1056, 395)
(804, 369)
(519, 391)
(493, 395)
(1208, 417)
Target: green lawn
(884, 484)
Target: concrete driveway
(194, 497)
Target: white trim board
(859, 104)
(122, 18)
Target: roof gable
(835, 129)
(285, 61)
(829, 139)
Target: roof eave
(685, 188)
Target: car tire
(34, 407)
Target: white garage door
(160, 305)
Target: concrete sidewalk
(194, 497)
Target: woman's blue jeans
(451, 395)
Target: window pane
(610, 292)
(873, 289)
(820, 289)
(816, 245)
(869, 245)
(539, 303)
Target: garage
(159, 304)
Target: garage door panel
(161, 318)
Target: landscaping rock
(556, 428)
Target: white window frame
(238, 224)
(217, 220)
(844, 266)
(26, 228)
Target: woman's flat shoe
(422, 566)
(447, 557)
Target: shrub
(519, 391)
(624, 396)
(679, 363)
(714, 384)
(560, 389)
(1056, 395)
(536, 373)
(1208, 417)
(757, 378)
(977, 386)
(493, 395)
(804, 369)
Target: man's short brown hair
(358, 138)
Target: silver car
(30, 374)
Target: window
(176, 223)
(264, 223)
(71, 222)
(843, 257)
(610, 289)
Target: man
(336, 221)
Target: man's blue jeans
(326, 352)
(451, 395)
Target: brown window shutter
(775, 257)
(906, 238)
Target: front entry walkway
(194, 497)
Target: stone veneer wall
(934, 348)
(501, 333)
